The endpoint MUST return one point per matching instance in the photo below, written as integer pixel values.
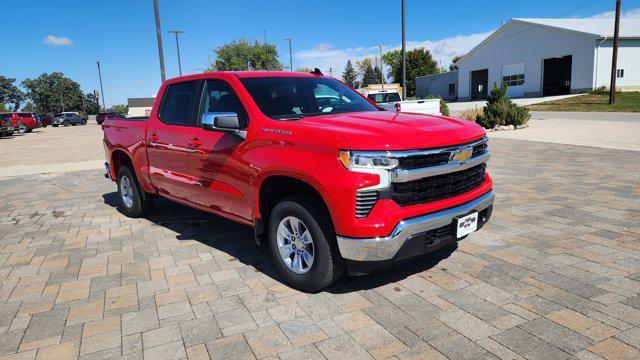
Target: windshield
(289, 98)
(384, 97)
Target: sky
(69, 36)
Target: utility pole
(159, 35)
(404, 57)
(381, 69)
(95, 94)
(101, 88)
(177, 32)
(290, 54)
(614, 58)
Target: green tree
(242, 55)
(90, 104)
(419, 62)
(10, 94)
(349, 75)
(52, 93)
(453, 66)
(120, 109)
(369, 71)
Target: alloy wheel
(295, 245)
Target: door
(557, 76)
(220, 178)
(167, 140)
(513, 77)
(479, 83)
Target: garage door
(513, 76)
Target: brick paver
(556, 274)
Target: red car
(6, 124)
(29, 122)
(327, 186)
(100, 118)
(45, 120)
(14, 120)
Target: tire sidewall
(136, 208)
(316, 277)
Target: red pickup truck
(328, 185)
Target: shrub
(603, 90)
(470, 114)
(445, 108)
(500, 110)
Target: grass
(625, 102)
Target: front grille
(365, 200)
(479, 149)
(438, 187)
(422, 161)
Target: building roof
(140, 102)
(599, 28)
(629, 28)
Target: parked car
(327, 189)
(45, 120)
(6, 124)
(68, 119)
(100, 118)
(29, 122)
(391, 100)
(16, 121)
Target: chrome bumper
(385, 248)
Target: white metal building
(536, 57)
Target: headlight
(353, 160)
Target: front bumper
(414, 236)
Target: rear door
(220, 179)
(167, 139)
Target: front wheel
(23, 129)
(303, 244)
(55, 125)
(134, 202)
(66, 123)
(83, 122)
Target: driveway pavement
(457, 107)
(608, 130)
(555, 274)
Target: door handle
(153, 137)
(194, 143)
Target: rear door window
(177, 108)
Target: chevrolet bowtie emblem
(461, 155)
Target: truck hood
(389, 130)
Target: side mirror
(222, 121)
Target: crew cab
(327, 184)
(391, 100)
(29, 122)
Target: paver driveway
(555, 274)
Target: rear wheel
(303, 245)
(23, 129)
(134, 202)
(66, 123)
(83, 122)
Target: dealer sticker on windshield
(467, 225)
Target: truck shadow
(236, 240)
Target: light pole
(101, 89)
(614, 58)
(381, 68)
(177, 32)
(290, 54)
(159, 36)
(404, 58)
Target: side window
(220, 97)
(177, 108)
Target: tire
(44, 126)
(134, 202)
(23, 129)
(83, 122)
(29, 130)
(326, 265)
(66, 123)
(55, 125)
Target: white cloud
(629, 14)
(57, 41)
(140, 82)
(325, 56)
